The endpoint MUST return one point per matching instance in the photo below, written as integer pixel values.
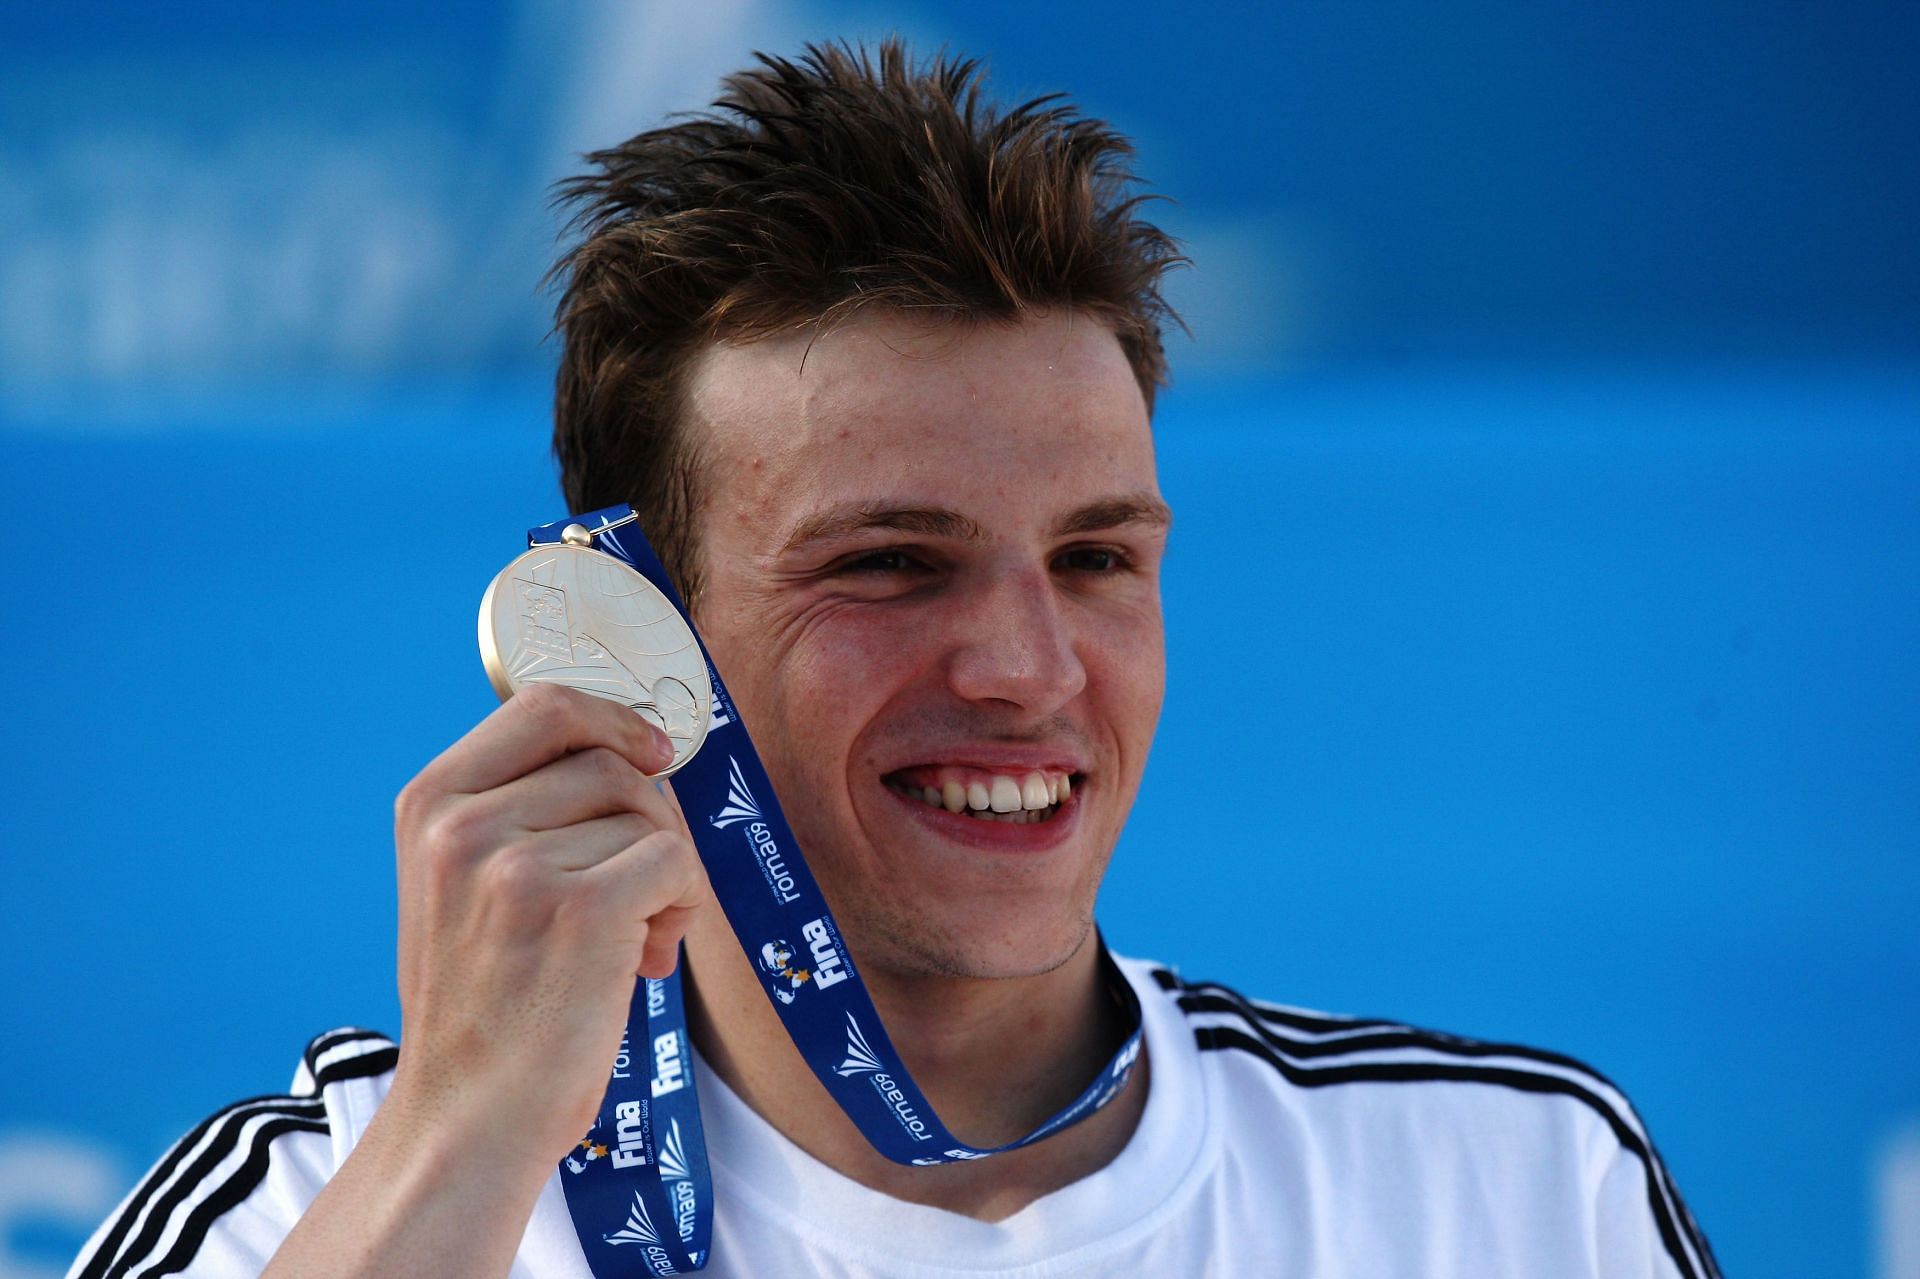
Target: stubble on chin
(915, 950)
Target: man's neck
(997, 1058)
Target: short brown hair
(815, 188)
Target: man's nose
(1014, 644)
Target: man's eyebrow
(850, 519)
(847, 520)
(1114, 512)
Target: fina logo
(829, 966)
(630, 1135)
(669, 1066)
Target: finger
(659, 873)
(579, 787)
(537, 725)
(667, 927)
(585, 845)
(665, 932)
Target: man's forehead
(1027, 428)
(904, 372)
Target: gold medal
(567, 614)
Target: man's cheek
(835, 690)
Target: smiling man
(876, 362)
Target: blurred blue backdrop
(1547, 461)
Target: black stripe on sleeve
(173, 1179)
(1218, 998)
(246, 1177)
(1226, 1037)
(324, 1044)
(164, 1171)
(1295, 1018)
(378, 1062)
(1370, 1035)
(1292, 1018)
(224, 1139)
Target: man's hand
(541, 869)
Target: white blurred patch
(58, 1181)
(1254, 298)
(1897, 1204)
(149, 259)
(648, 60)
(643, 62)
(276, 220)
(187, 239)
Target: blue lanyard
(638, 1185)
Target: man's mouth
(1020, 798)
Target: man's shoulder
(1311, 1056)
(1408, 1119)
(221, 1196)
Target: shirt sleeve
(219, 1203)
(1642, 1229)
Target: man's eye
(880, 562)
(1090, 559)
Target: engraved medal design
(568, 614)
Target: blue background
(1545, 595)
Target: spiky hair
(813, 189)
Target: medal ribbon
(639, 1184)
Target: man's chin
(932, 951)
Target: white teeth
(999, 798)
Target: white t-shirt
(1274, 1142)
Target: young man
(876, 363)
